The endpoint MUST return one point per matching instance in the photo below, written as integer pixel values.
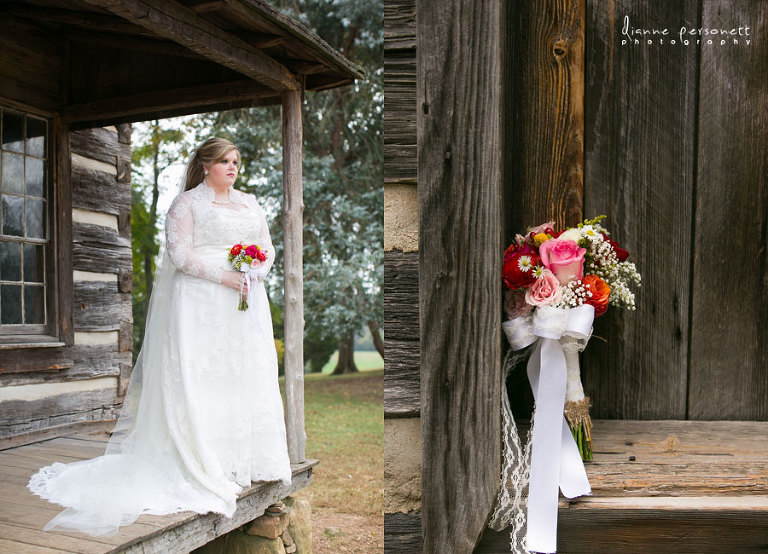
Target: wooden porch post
(293, 209)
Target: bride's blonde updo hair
(210, 152)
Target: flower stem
(583, 436)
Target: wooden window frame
(58, 330)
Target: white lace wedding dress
(203, 416)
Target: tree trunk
(346, 363)
(373, 326)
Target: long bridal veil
(139, 472)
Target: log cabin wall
(82, 374)
(45, 388)
(402, 425)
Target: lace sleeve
(265, 243)
(179, 226)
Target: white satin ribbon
(256, 298)
(555, 459)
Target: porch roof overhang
(134, 60)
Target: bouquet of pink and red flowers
(546, 275)
(245, 258)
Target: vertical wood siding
(458, 99)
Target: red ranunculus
(620, 252)
(261, 255)
(236, 249)
(517, 272)
(250, 251)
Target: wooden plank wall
(68, 385)
(728, 373)
(676, 142)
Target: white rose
(574, 234)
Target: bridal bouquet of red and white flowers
(245, 258)
(549, 276)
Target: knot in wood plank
(671, 444)
(560, 48)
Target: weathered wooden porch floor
(23, 515)
(667, 486)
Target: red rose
(600, 293)
(261, 255)
(250, 251)
(518, 267)
(236, 249)
(620, 252)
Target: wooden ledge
(23, 515)
(667, 486)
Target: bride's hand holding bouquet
(246, 261)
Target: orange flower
(600, 293)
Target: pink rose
(564, 258)
(546, 290)
(515, 304)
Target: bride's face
(224, 172)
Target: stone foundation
(284, 528)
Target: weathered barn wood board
(23, 515)
(729, 335)
(99, 306)
(63, 197)
(401, 321)
(640, 151)
(400, 25)
(401, 295)
(89, 187)
(400, 91)
(543, 114)
(92, 427)
(459, 168)
(642, 530)
(667, 486)
(100, 249)
(402, 396)
(100, 144)
(28, 366)
(20, 416)
(402, 533)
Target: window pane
(35, 218)
(35, 171)
(13, 215)
(13, 173)
(33, 263)
(34, 304)
(13, 134)
(10, 304)
(10, 261)
(36, 135)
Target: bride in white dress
(202, 415)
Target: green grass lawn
(366, 360)
(344, 419)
